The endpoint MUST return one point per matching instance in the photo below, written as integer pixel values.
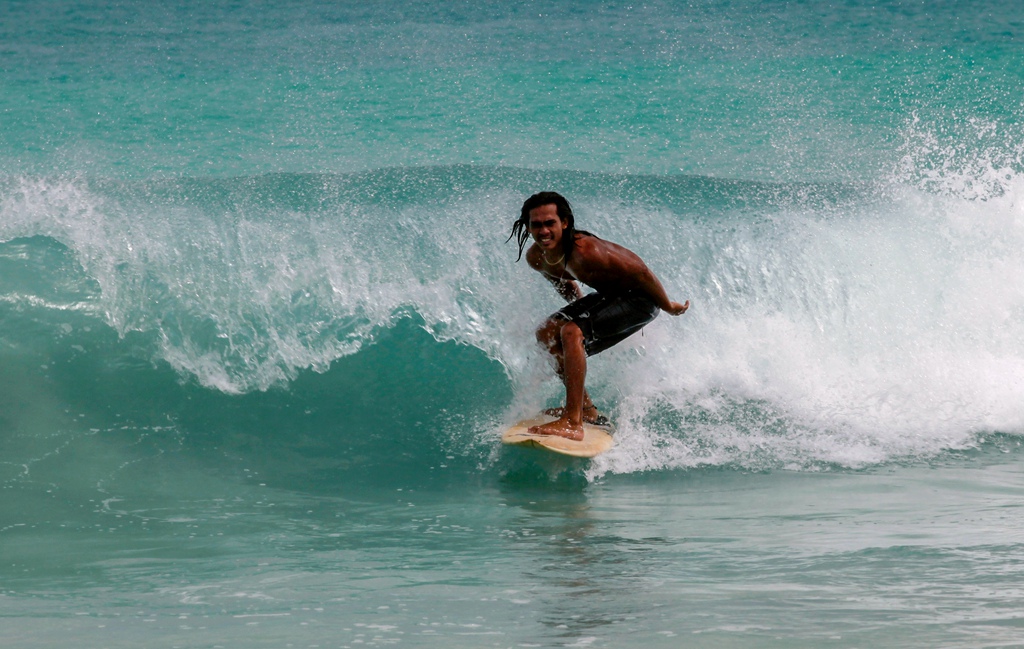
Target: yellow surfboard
(596, 440)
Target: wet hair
(521, 228)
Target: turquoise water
(260, 328)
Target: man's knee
(548, 334)
(571, 334)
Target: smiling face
(546, 226)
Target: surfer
(627, 296)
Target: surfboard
(596, 440)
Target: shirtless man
(627, 297)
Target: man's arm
(650, 284)
(567, 288)
(615, 264)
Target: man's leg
(572, 360)
(550, 336)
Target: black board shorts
(608, 319)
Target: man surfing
(627, 297)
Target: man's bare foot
(561, 427)
(590, 415)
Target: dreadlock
(521, 228)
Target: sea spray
(883, 329)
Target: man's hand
(676, 308)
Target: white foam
(851, 332)
(891, 329)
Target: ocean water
(260, 328)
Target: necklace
(553, 263)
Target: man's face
(546, 226)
